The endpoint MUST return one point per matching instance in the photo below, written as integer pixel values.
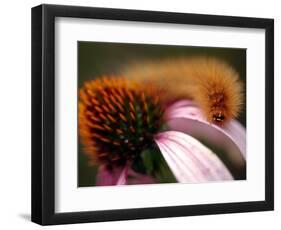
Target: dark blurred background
(100, 58)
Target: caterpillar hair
(212, 83)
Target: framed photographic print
(141, 114)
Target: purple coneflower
(120, 121)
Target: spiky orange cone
(117, 119)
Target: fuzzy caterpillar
(211, 83)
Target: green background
(99, 58)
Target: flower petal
(138, 178)
(115, 176)
(122, 179)
(189, 160)
(186, 117)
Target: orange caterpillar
(211, 83)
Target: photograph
(157, 113)
(140, 114)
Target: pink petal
(189, 160)
(115, 176)
(186, 117)
(122, 180)
(137, 178)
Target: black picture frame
(43, 114)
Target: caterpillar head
(218, 116)
(218, 108)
